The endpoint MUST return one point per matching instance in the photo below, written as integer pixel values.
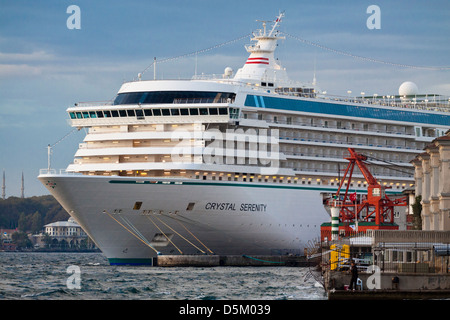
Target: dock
(392, 265)
(231, 260)
(388, 286)
(416, 294)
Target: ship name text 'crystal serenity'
(237, 164)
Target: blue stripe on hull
(348, 110)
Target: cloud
(28, 57)
(18, 64)
(18, 70)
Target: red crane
(377, 206)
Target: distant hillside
(30, 214)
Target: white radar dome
(228, 72)
(408, 88)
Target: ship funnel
(261, 66)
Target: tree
(24, 222)
(36, 222)
(47, 240)
(21, 240)
(14, 209)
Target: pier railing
(390, 251)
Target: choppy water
(44, 276)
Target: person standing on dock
(354, 271)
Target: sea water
(88, 276)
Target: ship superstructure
(231, 165)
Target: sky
(46, 67)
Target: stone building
(432, 175)
(64, 229)
(69, 232)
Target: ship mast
(275, 25)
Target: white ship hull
(225, 218)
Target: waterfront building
(68, 231)
(67, 228)
(432, 176)
(6, 243)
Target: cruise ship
(237, 164)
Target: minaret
(4, 186)
(22, 189)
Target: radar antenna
(276, 22)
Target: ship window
(72, 115)
(157, 97)
(140, 114)
(190, 206)
(148, 112)
(137, 205)
(234, 113)
(128, 98)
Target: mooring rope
(132, 227)
(180, 235)
(181, 252)
(195, 237)
(245, 256)
(143, 241)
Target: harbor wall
(230, 260)
(391, 281)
